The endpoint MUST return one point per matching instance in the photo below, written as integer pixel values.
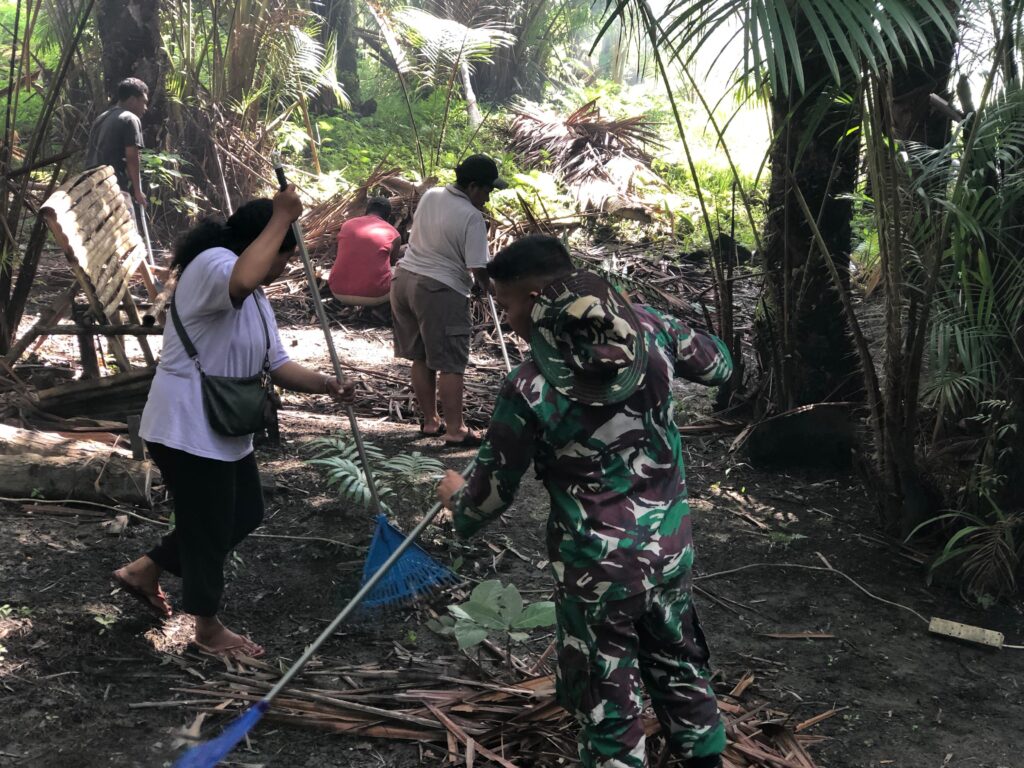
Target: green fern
(413, 468)
(351, 481)
(338, 456)
(340, 446)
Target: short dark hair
(131, 87)
(379, 206)
(530, 256)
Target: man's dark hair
(530, 256)
(235, 234)
(379, 206)
(131, 87)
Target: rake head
(414, 574)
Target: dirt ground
(75, 658)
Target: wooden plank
(53, 314)
(967, 632)
(123, 329)
(115, 344)
(81, 223)
(128, 304)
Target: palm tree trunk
(800, 331)
(339, 20)
(472, 108)
(129, 31)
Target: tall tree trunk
(912, 85)
(908, 115)
(340, 21)
(129, 31)
(519, 69)
(472, 108)
(801, 333)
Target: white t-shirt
(230, 342)
(449, 237)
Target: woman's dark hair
(530, 256)
(235, 234)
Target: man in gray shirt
(447, 253)
(116, 138)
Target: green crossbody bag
(234, 405)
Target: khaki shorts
(431, 322)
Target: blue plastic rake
(410, 576)
(396, 570)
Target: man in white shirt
(430, 292)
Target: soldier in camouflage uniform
(592, 410)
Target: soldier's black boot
(708, 761)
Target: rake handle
(501, 336)
(321, 314)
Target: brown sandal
(146, 598)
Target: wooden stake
(967, 632)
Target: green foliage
(162, 172)
(353, 146)
(988, 548)
(395, 478)
(442, 44)
(497, 609)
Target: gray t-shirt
(230, 342)
(449, 237)
(114, 130)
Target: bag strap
(190, 348)
(266, 333)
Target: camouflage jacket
(619, 521)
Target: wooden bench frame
(96, 230)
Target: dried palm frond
(600, 159)
(323, 221)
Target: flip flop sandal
(471, 440)
(143, 597)
(232, 651)
(440, 430)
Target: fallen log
(110, 397)
(96, 477)
(16, 442)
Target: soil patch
(77, 660)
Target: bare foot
(141, 579)
(214, 638)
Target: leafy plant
(989, 548)
(394, 477)
(493, 608)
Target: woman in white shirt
(212, 477)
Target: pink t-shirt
(363, 263)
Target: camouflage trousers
(605, 650)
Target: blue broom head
(413, 574)
(209, 753)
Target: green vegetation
(494, 608)
(403, 476)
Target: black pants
(216, 505)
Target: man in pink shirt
(367, 246)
